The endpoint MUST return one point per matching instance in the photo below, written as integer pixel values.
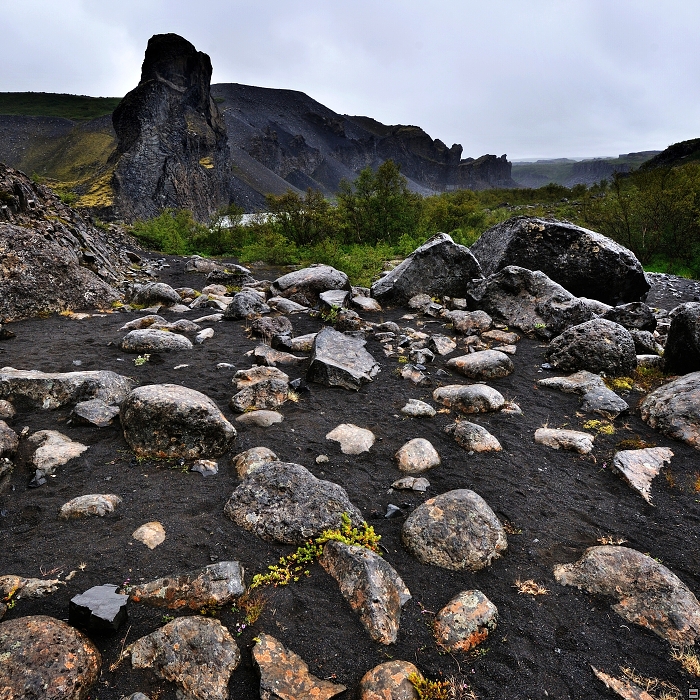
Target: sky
(529, 78)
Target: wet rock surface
(647, 593)
(153, 415)
(197, 654)
(285, 502)
(45, 658)
(455, 530)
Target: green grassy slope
(44, 104)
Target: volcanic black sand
(558, 503)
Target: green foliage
(46, 104)
(291, 567)
(173, 231)
(429, 690)
(303, 220)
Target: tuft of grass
(511, 529)
(688, 659)
(602, 427)
(429, 690)
(634, 443)
(619, 383)
(666, 690)
(530, 587)
(611, 540)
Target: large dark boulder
(528, 300)
(597, 346)
(634, 316)
(172, 145)
(682, 352)
(440, 267)
(585, 263)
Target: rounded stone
(90, 504)
(156, 293)
(417, 456)
(353, 440)
(465, 621)
(455, 530)
(149, 340)
(485, 364)
(471, 398)
(172, 421)
(45, 658)
(389, 681)
(250, 460)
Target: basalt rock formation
(172, 146)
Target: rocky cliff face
(172, 146)
(52, 258)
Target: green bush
(171, 232)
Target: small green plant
(619, 383)
(331, 316)
(403, 360)
(602, 427)
(167, 618)
(142, 359)
(540, 326)
(293, 396)
(429, 690)
(292, 567)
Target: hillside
(676, 154)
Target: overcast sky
(530, 78)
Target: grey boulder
(635, 315)
(682, 352)
(469, 398)
(304, 286)
(151, 340)
(155, 293)
(245, 305)
(485, 364)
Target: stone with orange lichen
(370, 585)
(214, 585)
(465, 621)
(389, 681)
(285, 676)
(197, 653)
(46, 658)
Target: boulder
(682, 352)
(56, 389)
(439, 267)
(182, 325)
(245, 305)
(367, 304)
(144, 322)
(596, 397)
(155, 293)
(455, 530)
(674, 409)
(197, 653)
(149, 340)
(45, 658)
(465, 621)
(52, 449)
(645, 343)
(339, 360)
(285, 502)
(352, 439)
(171, 421)
(151, 534)
(268, 393)
(265, 355)
(370, 585)
(633, 316)
(94, 412)
(485, 364)
(469, 322)
(334, 299)
(267, 326)
(99, 609)
(582, 261)
(597, 346)
(647, 593)
(529, 301)
(7, 410)
(248, 377)
(441, 344)
(286, 306)
(418, 409)
(639, 467)
(248, 461)
(212, 586)
(473, 437)
(9, 440)
(304, 286)
(285, 676)
(417, 456)
(91, 504)
(470, 398)
(260, 418)
(558, 439)
(389, 681)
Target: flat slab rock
(260, 419)
(197, 653)
(370, 585)
(265, 355)
(52, 449)
(285, 502)
(647, 593)
(99, 609)
(151, 534)
(94, 412)
(558, 439)
(55, 389)
(151, 340)
(46, 658)
(417, 456)
(455, 530)
(470, 398)
(212, 586)
(340, 360)
(465, 621)
(171, 421)
(353, 440)
(99, 504)
(285, 675)
(639, 467)
(485, 364)
(674, 409)
(596, 396)
(389, 681)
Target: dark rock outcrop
(172, 144)
(584, 262)
(440, 267)
(682, 352)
